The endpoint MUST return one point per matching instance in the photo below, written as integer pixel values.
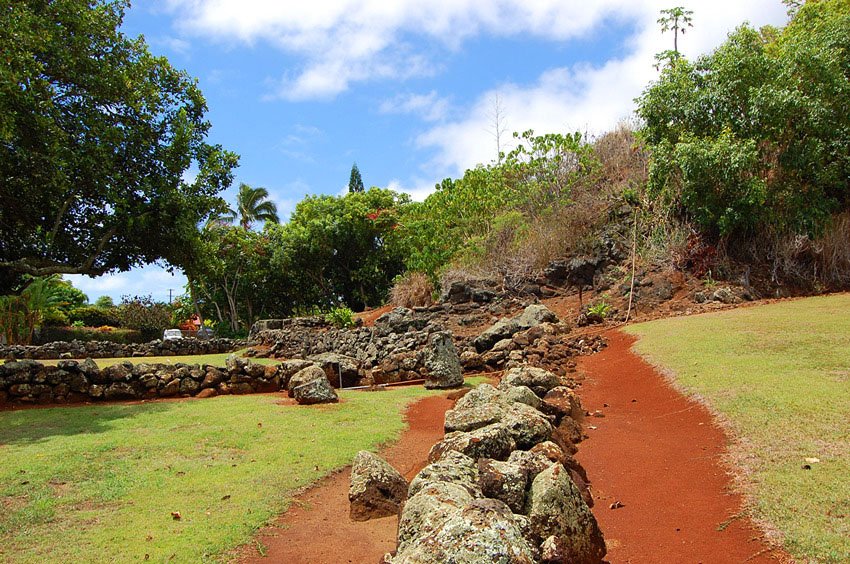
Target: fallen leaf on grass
(176, 515)
(225, 498)
(812, 460)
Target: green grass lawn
(211, 359)
(780, 374)
(99, 484)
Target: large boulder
(503, 481)
(425, 511)
(339, 368)
(555, 508)
(493, 441)
(502, 329)
(442, 362)
(539, 380)
(454, 467)
(399, 320)
(376, 490)
(485, 406)
(310, 386)
(484, 531)
(307, 374)
(532, 316)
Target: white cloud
(430, 107)
(151, 279)
(347, 41)
(583, 97)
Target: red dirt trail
(317, 530)
(659, 455)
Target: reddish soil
(317, 530)
(659, 454)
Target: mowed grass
(100, 483)
(780, 374)
(211, 359)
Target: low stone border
(106, 349)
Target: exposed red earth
(656, 457)
(317, 529)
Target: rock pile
(106, 349)
(533, 337)
(394, 350)
(502, 486)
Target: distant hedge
(92, 316)
(120, 336)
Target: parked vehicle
(172, 334)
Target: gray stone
(376, 490)
(493, 441)
(539, 380)
(483, 532)
(315, 391)
(454, 467)
(427, 509)
(442, 362)
(308, 374)
(503, 481)
(523, 394)
(555, 508)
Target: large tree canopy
(95, 137)
(757, 133)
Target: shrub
(412, 289)
(144, 315)
(340, 317)
(599, 309)
(93, 316)
(120, 336)
(54, 318)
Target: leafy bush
(143, 314)
(54, 318)
(599, 309)
(411, 290)
(755, 135)
(340, 317)
(94, 316)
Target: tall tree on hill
(355, 181)
(253, 204)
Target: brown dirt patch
(660, 455)
(370, 315)
(316, 529)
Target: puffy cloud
(346, 41)
(430, 107)
(583, 97)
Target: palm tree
(252, 204)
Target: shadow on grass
(34, 425)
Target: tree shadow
(27, 426)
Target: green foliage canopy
(757, 134)
(95, 135)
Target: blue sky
(405, 88)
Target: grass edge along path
(778, 375)
(100, 483)
(217, 359)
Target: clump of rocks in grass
(502, 485)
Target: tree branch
(42, 267)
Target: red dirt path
(317, 530)
(659, 455)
